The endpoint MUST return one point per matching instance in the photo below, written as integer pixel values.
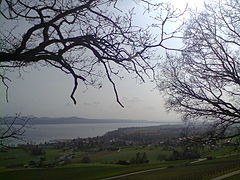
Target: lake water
(43, 133)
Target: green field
(200, 171)
(103, 164)
(109, 157)
(20, 156)
(176, 171)
(236, 177)
(73, 172)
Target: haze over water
(46, 132)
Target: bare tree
(203, 81)
(87, 39)
(12, 128)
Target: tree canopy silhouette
(203, 80)
(87, 39)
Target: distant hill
(77, 120)
(151, 134)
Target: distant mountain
(76, 120)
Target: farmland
(99, 158)
(103, 164)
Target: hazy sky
(45, 92)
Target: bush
(123, 162)
(32, 163)
(140, 158)
(3, 150)
(85, 159)
(36, 151)
(210, 158)
(42, 159)
(187, 154)
(16, 165)
(192, 154)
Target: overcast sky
(45, 92)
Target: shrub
(16, 165)
(36, 151)
(86, 159)
(32, 163)
(187, 154)
(42, 159)
(140, 158)
(123, 162)
(210, 158)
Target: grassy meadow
(236, 177)
(199, 171)
(103, 164)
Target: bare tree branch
(85, 39)
(12, 128)
(203, 81)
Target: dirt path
(227, 175)
(199, 160)
(134, 173)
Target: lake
(43, 133)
